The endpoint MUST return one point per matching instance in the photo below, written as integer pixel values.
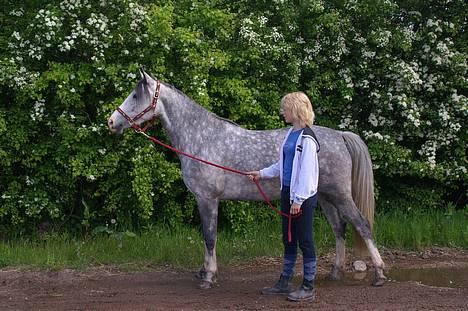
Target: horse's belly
(244, 189)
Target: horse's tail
(362, 185)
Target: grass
(183, 246)
(420, 229)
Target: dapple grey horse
(345, 182)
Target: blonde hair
(300, 107)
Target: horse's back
(254, 150)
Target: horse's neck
(183, 119)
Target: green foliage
(119, 236)
(243, 218)
(416, 195)
(393, 71)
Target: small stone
(359, 266)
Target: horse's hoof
(335, 275)
(205, 285)
(379, 282)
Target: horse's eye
(134, 96)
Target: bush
(392, 71)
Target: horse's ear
(151, 76)
(143, 74)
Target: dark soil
(238, 287)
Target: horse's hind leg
(339, 229)
(350, 213)
(208, 209)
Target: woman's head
(299, 108)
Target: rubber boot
(282, 287)
(305, 292)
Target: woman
(298, 171)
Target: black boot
(305, 292)
(282, 287)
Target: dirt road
(435, 279)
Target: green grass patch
(183, 246)
(422, 229)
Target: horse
(345, 191)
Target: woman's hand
(295, 208)
(254, 175)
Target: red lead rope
(260, 189)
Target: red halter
(152, 106)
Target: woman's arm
(307, 179)
(271, 171)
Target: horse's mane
(175, 89)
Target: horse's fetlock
(380, 278)
(210, 276)
(201, 274)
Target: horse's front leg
(208, 209)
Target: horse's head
(140, 105)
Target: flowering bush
(392, 71)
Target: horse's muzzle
(111, 124)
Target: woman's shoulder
(309, 134)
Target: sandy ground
(435, 279)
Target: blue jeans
(301, 233)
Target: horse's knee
(364, 231)
(210, 244)
(360, 224)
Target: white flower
(444, 114)
(373, 119)
(38, 110)
(370, 134)
(378, 136)
(16, 35)
(18, 12)
(368, 54)
(359, 39)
